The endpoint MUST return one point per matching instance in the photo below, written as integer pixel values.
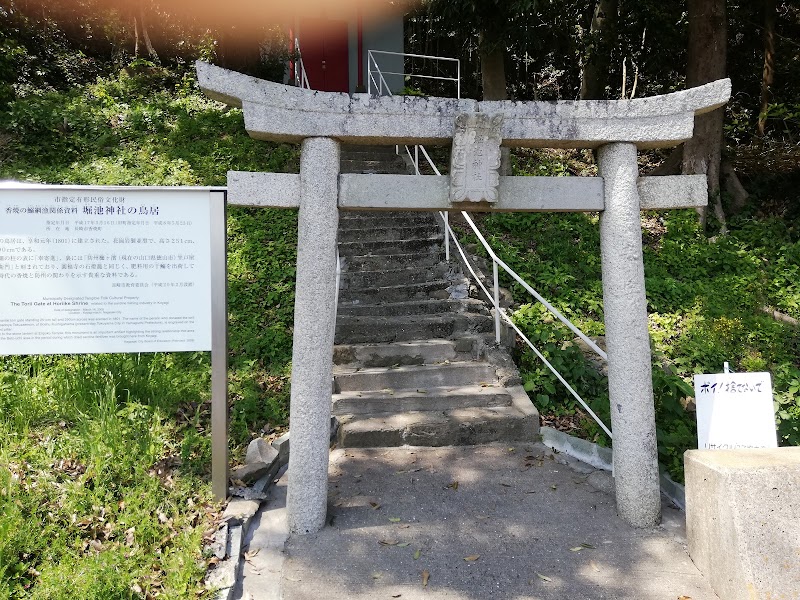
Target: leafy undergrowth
(98, 497)
(706, 299)
(105, 459)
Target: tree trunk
(707, 55)
(594, 71)
(769, 63)
(493, 79)
(140, 28)
(493, 72)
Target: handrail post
(446, 217)
(369, 72)
(496, 276)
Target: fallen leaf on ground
(249, 555)
(589, 546)
(374, 505)
(472, 557)
(417, 554)
(388, 542)
(576, 549)
(543, 577)
(404, 544)
(425, 576)
(684, 598)
(394, 519)
(453, 485)
(377, 575)
(506, 484)
(554, 487)
(396, 595)
(596, 568)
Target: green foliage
(145, 126)
(87, 453)
(111, 453)
(261, 263)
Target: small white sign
(735, 410)
(99, 270)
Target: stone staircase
(414, 360)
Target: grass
(105, 459)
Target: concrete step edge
(419, 369)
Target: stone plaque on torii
(616, 128)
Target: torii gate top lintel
(284, 113)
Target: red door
(323, 46)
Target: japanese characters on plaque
(475, 158)
(735, 410)
(104, 271)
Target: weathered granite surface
(284, 113)
(475, 158)
(630, 384)
(314, 320)
(743, 520)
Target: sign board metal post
(219, 347)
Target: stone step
(371, 149)
(443, 398)
(379, 247)
(387, 233)
(412, 307)
(360, 330)
(391, 277)
(436, 288)
(369, 218)
(415, 377)
(458, 427)
(375, 167)
(375, 262)
(418, 352)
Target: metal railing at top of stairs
(300, 75)
(494, 297)
(384, 89)
(380, 82)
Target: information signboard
(88, 270)
(735, 410)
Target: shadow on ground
(483, 522)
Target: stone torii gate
(616, 128)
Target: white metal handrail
(300, 75)
(371, 60)
(553, 310)
(501, 313)
(381, 83)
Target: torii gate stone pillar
(617, 128)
